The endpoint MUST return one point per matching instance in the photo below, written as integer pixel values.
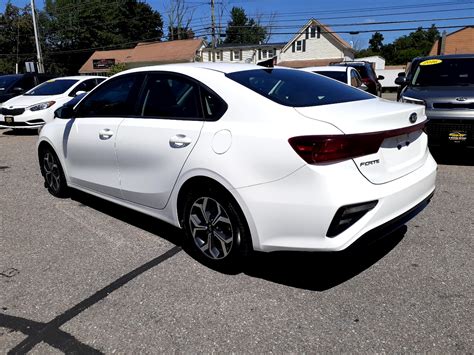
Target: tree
(72, 29)
(375, 43)
(179, 19)
(404, 48)
(242, 30)
(16, 38)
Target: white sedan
(243, 157)
(346, 75)
(36, 107)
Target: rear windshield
(297, 88)
(52, 87)
(6, 81)
(338, 75)
(444, 72)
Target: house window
(313, 32)
(271, 53)
(299, 46)
(319, 32)
(237, 55)
(218, 55)
(264, 53)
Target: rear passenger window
(214, 106)
(169, 96)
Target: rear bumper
(295, 213)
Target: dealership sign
(103, 63)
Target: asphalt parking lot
(82, 275)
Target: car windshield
(444, 72)
(6, 81)
(338, 75)
(52, 87)
(296, 88)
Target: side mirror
(80, 92)
(363, 87)
(400, 80)
(64, 112)
(380, 77)
(18, 90)
(401, 74)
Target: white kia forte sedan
(36, 107)
(243, 157)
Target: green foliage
(242, 30)
(117, 68)
(15, 24)
(404, 48)
(86, 24)
(70, 30)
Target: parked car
(367, 73)
(17, 84)
(445, 86)
(347, 75)
(36, 107)
(244, 158)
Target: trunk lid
(400, 152)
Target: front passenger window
(117, 97)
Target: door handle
(180, 141)
(105, 134)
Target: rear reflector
(330, 148)
(346, 216)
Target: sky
(362, 17)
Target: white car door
(89, 139)
(152, 148)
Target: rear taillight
(330, 148)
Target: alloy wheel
(211, 228)
(51, 172)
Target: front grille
(14, 124)
(451, 106)
(439, 130)
(12, 112)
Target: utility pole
(38, 48)
(213, 22)
(17, 45)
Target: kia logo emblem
(413, 117)
(461, 98)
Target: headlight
(411, 100)
(41, 106)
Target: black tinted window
(86, 86)
(6, 81)
(169, 96)
(444, 72)
(297, 88)
(117, 97)
(26, 83)
(338, 75)
(214, 106)
(52, 87)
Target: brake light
(366, 80)
(330, 148)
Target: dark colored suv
(17, 84)
(445, 85)
(367, 73)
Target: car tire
(52, 171)
(216, 230)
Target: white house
(314, 44)
(238, 53)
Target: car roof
(220, 67)
(328, 68)
(77, 77)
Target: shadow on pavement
(453, 155)
(318, 271)
(20, 132)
